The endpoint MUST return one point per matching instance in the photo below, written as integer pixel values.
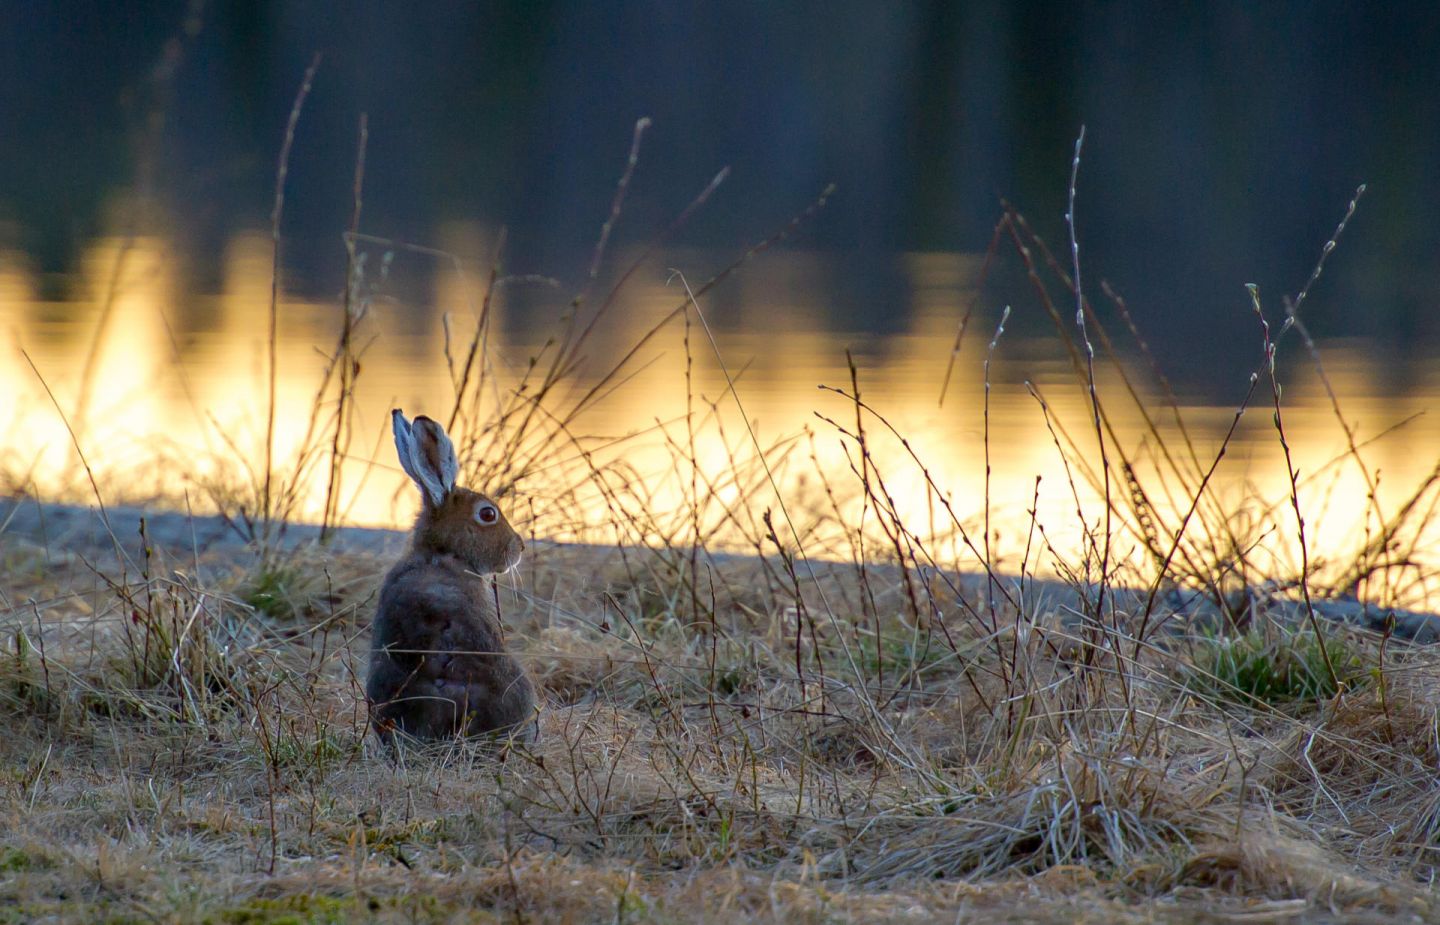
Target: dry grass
(834, 727)
(172, 755)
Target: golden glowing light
(168, 390)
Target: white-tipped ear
(434, 447)
(413, 459)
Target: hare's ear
(437, 452)
(426, 455)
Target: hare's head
(453, 521)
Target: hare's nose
(521, 542)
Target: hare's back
(419, 601)
(438, 663)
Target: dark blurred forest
(1223, 140)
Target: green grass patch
(1276, 667)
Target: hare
(438, 665)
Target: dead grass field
(749, 737)
(173, 754)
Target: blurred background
(1223, 140)
(1223, 143)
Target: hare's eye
(487, 513)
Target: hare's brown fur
(438, 665)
